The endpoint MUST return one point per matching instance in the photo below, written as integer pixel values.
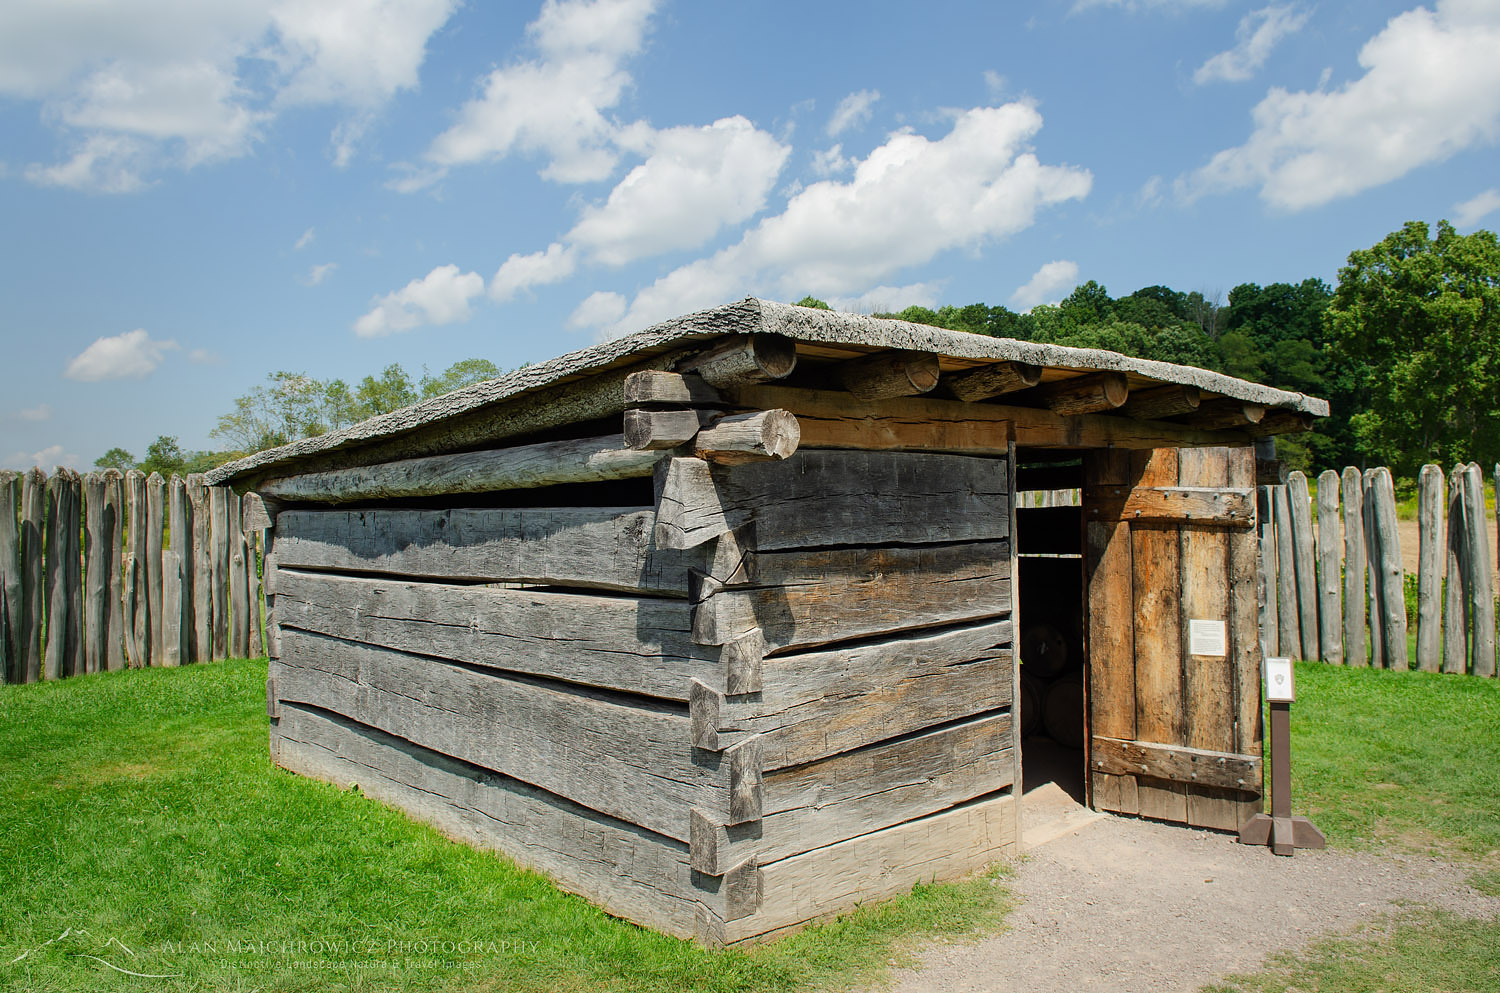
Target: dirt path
(1123, 905)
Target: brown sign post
(1283, 832)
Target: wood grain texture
(33, 610)
(551, 463)
(657, 429)
(155, 508)
(218, 543)
(1289, 614)
(1208, 681)
(1430, 558)
(606, 753)
(1163, 401)
(138, 618)
(1330, 580)
(992, 380)
(622, 643)
(751, 358)
(624, 869)
(1481, 582)
(1244, 643)
(1392, 589)
(253, 542)
(804, 598)
(96, 574)
(1356, 645)
(834, 498)
(890, 374)
(1221, 506)
(61, 521)
(1374, 573)
(1305, 562)
(1224, 770)
(653, 386)
(1270, 637)
(751, 437)
(1109, 579)
(180, 526)
(12, 669)
(114, 502)
(1455, 591)
(1226, 415)
(1084, 394)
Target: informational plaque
(1279, 687)
(1206, 638)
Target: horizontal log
(763, 435)
(835, 420)
(1219, 415)
(1175, 763)
(834, 498)
(636, 645)
(607, 548)
(586, 460)
(1281, 422)
(1163, 401)
(655, 387)
(1172, 504)
(990, 381)
(650, 430)
(750, 358)
(854, 793)
(1088, 394)
(871, 867)
(631, 762)
(802, 598)
(814, 704)
(646, 877)
(889, 374)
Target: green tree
(289, 406)
(1419, 319)
(813, 302)
(465, 372)
(392, 391)
(164, 455)
(115, 458)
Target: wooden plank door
(1174, 723)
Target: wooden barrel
(1044, 650)
(1062, 711)
(1033, 692)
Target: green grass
(142, 825)
(1419, 952)
(1386, 758)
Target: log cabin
(717, 624)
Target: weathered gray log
(1330, 548)
(653, 386)
(895, 373)
(1455, 594)
(239, 601)
(12, 669)
(180, 522)
(606, 753)
(1227, 415)
(822, 498)
(61, 520)
(650, 430)
(114, 512)
(637, 645)
(587, 460)
(154, 508)
(767, 434)
(218, 539)
(1481, 574)
(1300, 505)
(1356, 645)
(800, 598)
(1430, 559)
(814, 704)
(1392, 591)
(750, 358)
(988, 381)
(252, 583)
(171, 608)
(646, 877)
(1374, 571)
(607, 548)
(1266, 589)
(1290, 633)
(202, 570)
(1163, 401)
(1085, 394)
(33, 581)
(96, 535)
(138, 623)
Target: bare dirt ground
(1124, 905)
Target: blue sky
(195, 195)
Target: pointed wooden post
(1372, 573)
(1430, 568)
(96, 534)
(1481, 574)
(11, 668)
(1330, 545)
(1356, 644)
(1455, 596)
(33, 573)
(1392, 586)
(1286, 572)
(114, 515)
(154, 487)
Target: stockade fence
(114, 570)
(1339, 593)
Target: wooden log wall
(1359, 587)
(781, 687)
(97, 573)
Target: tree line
(1406, 349)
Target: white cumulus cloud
(911, 199)
(521, 272)
(47, 458)
(597, 309)
(1431, 89)
(1476, 208)
(852, 111)
(132, 355)
(1049, 284)
(1258, 32)
(889, 299)
(554, 105)
(695, 181)
(41, 412)
(440, 297)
